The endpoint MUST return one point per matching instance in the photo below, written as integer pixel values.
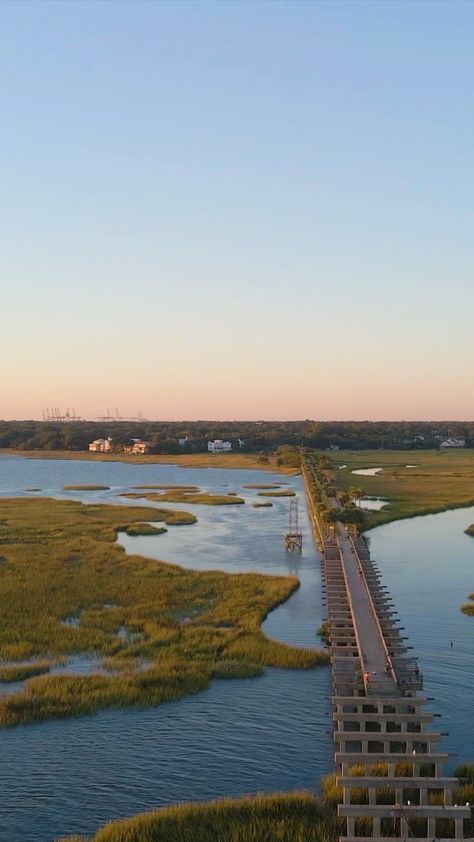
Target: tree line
(254, 436)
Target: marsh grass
(185, 488)
(186, 497)
(20, 672)
(262, 505)
(324, 632)
(468, 607)
(281, 817)
(136, 529)
(441, 481)
(237, 669)
(91, 487)
(285, 817)
(247, 461)
(466, 773)
(61, 560)
(284, 492)
(269, 486)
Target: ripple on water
(373, 503)
(73, 775)
(268, 733)
(428, 565)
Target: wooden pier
(383, 748)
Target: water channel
(270, 733)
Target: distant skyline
(227, 210)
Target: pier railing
(380, 729)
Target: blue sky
(237, 209)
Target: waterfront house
(100, 445)
(137, 447)
(219, 446)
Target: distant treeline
(255, 436)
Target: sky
(237, 210)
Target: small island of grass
(261, 485)
(470, 530)
(90, 487)
(468, 607)
(136, 529)
(266, 505)
(201, 498)
(186, 488)
(285, 492)
(237, 669)
(20, 672)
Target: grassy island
(470, 530)
(186, 488)
(262, 485)
(287, 492)
(136, 529)
(67, 587)
(86, 487)
(468, 607)
(189, 498)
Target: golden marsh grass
(67, 587)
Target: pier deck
(382, 741)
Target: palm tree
(356, 493)
(329, 517)
(343, 498)
(352, 518)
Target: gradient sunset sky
(237, 209)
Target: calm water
(428, 565)
(268, 733)
(373, 504)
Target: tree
(343, 498)
(356, 493)
(329, 517)
(352, 518)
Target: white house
(218, 446)
(137, 447)
(100, 445)
(453, 443)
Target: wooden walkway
(384, 753)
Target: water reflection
(264, 734)
(428, 564)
